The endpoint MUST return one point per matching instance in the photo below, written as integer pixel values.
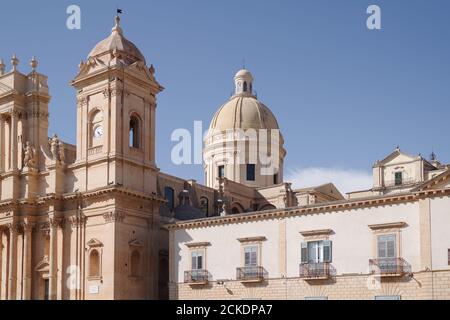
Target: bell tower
(116, 103)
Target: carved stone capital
(77, 221)
(114, 216)
(28, 226)
(56, 222)
(82, 101)
(13, 227)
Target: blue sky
(344, 96)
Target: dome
(117, 42)
(244, 112)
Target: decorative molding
(94, 243)
(252, 239)
(114, 216)
(136, 243)
(391, 225)
(197, 244)
(310, 233)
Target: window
(169, 195)
(245, 86)
(94, 264)
(96, 128)
(250, 256)
(387, 246)
(275, 178)
(204, 205)
(135, 261)
(134, 132)
(250, 172)
(46, 289)
(316, 251)
(398, 178)
(448, 253)
(221, 171)
(387, 298)
(197, 260)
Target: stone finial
(34, 63)
(14, 62)
(2, 67)
(116, 27)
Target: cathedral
(99, 220)
(86, 221)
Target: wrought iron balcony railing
(319, 270)
(251, 274)
(389, 266)
(197, 276)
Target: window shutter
(304, 252)
(246, 259)
(200, 262)
(193, 262)
(327, 244)
(254, 259)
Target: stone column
(26, 280)
(1, 261)
(14, 142)
(53, 258)
(12, 285)
(2, 143)
(4, 264)
(59, 264)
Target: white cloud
(345, 180)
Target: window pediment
(94, 243)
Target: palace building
(99, 220)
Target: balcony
(316, 271)
(389, 267)
(251, 274)
(400, 182)
(196, 277)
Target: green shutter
(304, 252)
(327, 245)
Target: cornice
(14, 203)
(309, 210)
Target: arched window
(204, 205)
(169, 195)
(96, 128)
(235, 210)
(245, 86)
(94, 263)
(135, 261)
(134, 134)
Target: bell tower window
(245, 86)
(96, 128)
(134, 133)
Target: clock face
(98, 132)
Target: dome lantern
(244, 82)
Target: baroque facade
(86, 221)
(99, 220)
